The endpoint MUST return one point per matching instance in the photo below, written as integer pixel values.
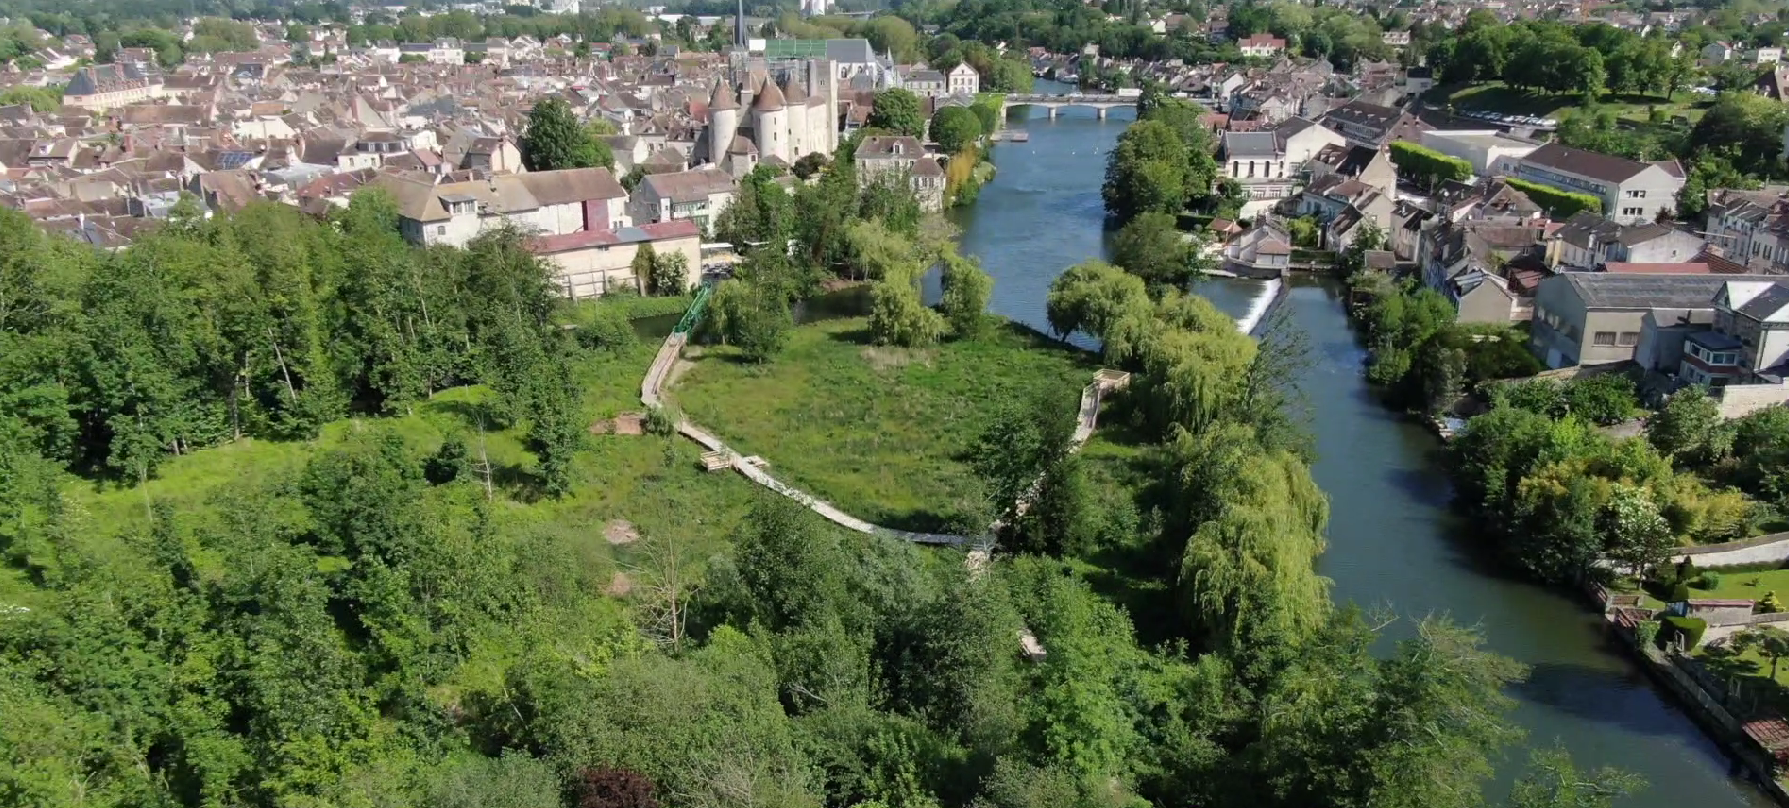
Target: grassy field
(1496, 97)
(880, 432)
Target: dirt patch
(621, 531)
(627, 423)
(890, 358)
(619, 585)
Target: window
(1633, 211)
(1634, 194)
(441, 230)
(1604, 338)
(1628, 339)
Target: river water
(1392, 541)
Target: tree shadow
(470, 414)
(856, 336)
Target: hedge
(1560, 205)
(1690, 628)
(1424, 164)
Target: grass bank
(880, 432)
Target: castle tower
(796, 108)
(723, 121)
(770, 122)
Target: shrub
(1690, 629)
(1560, 205)
(1709, 580)
(608, 330)
(660, 421)
(1769, 604)
(1647, 633)
(1428, 166)
(445, 465)
(1679, 593)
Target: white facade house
(1267, 164)
(963, 79)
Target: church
(777, 114)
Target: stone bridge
(1099, 103)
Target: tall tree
(553, 140)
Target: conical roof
(723, 97)
(769, 99)
(792, 92)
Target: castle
(761, 121)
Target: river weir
(1393, 541)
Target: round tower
(796, 108)
(770, 121)
(723, 121)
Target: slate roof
(1603, 290)
(1595, 165)
(1768, 303)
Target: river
(1392, 541)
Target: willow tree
(1102, 300)
(1248, 575)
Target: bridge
(1099, 103)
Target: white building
(549, 203)
(1490, 152)
(1631, 192)
(964, 79)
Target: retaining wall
(1766, 549)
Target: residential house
(544, 202)
(882, 155)
(1261, 45)
(1715, 53)
(1480, 264)
(1587, 241)
(1751, 227)
(1263, 252)
(1371, 125)
(1765, 55)
(1343, 206)
(925, 81)
(699, 195)
(113, 85)
(963, 80)
(1749, 341)
(1268, 165)
(1631, 191)
(1594, 318)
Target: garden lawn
(882, 433)
(1738, 585)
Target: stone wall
(1743, 399)
(1766, 549)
